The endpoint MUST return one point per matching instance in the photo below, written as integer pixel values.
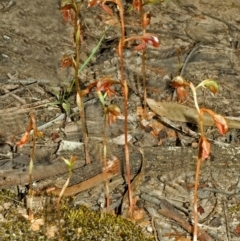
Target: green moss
(102, 226)
(77, 223)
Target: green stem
(105, 162)
(59, 201)
(200, 118)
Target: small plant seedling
(25, 139)
(62, 101)
(69, 163)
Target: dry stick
(19, 99)
(189, 57)
(77, 33)
(154, 229)
(226, 218)
(137, 180)
(167, 210)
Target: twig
(137, 180)
(19, 99)
(189, 57)
(226, 219)
(154, 229)
(167, 210)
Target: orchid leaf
(204, 148)
(221, 124)
(210, 84)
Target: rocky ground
(204, 35)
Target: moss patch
(78, 223)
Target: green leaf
(65, 3)
(94, 51)
(66, 107)
(68, 163)
(102, 97)
(210, 84)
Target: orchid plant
(204, 146)
(144, 40)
